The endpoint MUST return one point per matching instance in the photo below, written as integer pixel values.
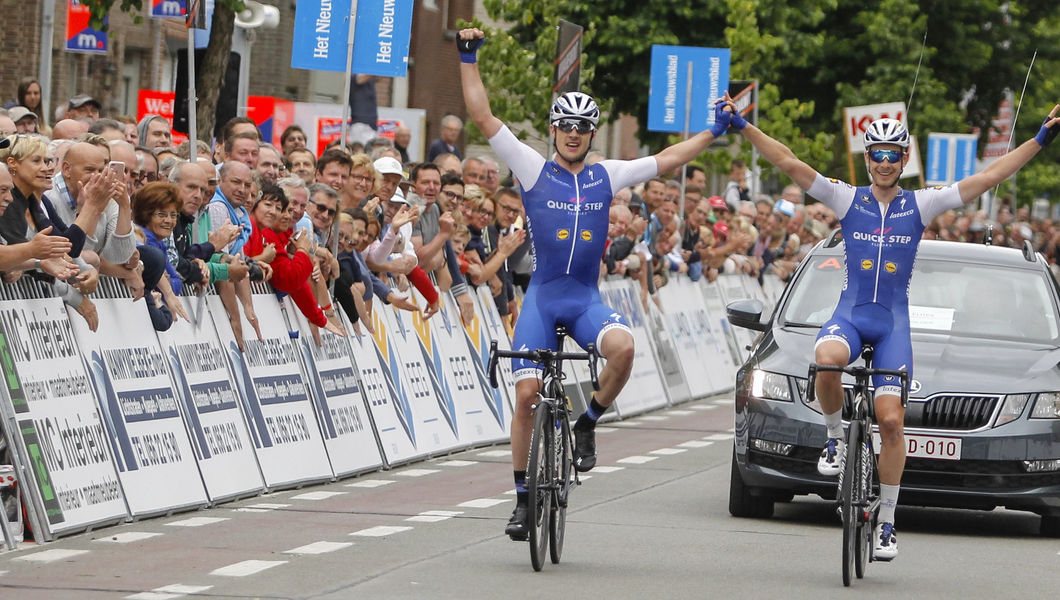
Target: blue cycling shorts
(886, 331)
(562, 301)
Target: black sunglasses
(325, 209)
(568, 125)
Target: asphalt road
(650, 522)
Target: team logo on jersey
(833, 180)
(563, 234)
(587, 235)
(866, 265)
(866, 200)
(890, 267)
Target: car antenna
(1028, 251)
(988, 239)
(835, 238)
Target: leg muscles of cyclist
(617, 347)
(829, 387)
(890, 416)
(523, 421)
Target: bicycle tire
(564, 483)
(848, 506)
(863, 530)
(539, 481)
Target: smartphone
(298, 234)
(118, 167)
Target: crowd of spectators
(361, 225)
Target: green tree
(210, 76)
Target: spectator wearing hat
(719, 209)
(154, 132)
(83, 107)
(26, 121)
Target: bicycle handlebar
(543, 356)
(856, 371)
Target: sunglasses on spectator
(568, 125)
(325, 209)
(142, 175)
(879, 155)
(453, 195)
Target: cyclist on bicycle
(567, 206)
(882, 225)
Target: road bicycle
(550, 474)
(858, 488)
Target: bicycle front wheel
(848, 498)
(564, 455)
(539, 481)
(866, 470)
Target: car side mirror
(747, 314)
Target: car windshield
(957, 298)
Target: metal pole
(47, 31)
(754, 151)
(349, 74)
(688, 124)
(193, 151)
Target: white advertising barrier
(336, 395)
(481, 416)
(666, 353)
(719, 322)
(428, 421)
(644, 390)
(130, 378)
(712, 339)
(219, 435)
(275, 399)
(676, 297)
(57, 417)
(485, 327)
(732, 289)
(773, 287)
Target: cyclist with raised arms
(882, 225)
(567, 206)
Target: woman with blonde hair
(363, 182)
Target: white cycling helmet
(575, 105)
(886, 131)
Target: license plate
(927, 446)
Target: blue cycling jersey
(881, 243)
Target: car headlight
(1047, 406)
(1012, 408)
(770, 386)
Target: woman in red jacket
(290, 270)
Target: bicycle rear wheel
(848, 498)
(563, 453)
(539, 481)
(866, 468)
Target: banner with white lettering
(427, 414)
(666, 352)
(645, 389)
(381, 39)
(719, 321)
(275, 400)
(321, 33)
(732, 289)
(69, 455)
(336, 395)
(685, 79)
(485, 327)
(130, 378)
(678, 321)
(219, 435)
(479, 416)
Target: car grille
(942, 411)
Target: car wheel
(1050, 526)
(742, 503)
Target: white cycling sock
(888, 502)
(834, 423)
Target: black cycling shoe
(519, 525)
(584, 449)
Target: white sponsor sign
(485, 327)
(679, 325)
(645, 389)
(57, 416)
(336, 397)
(275, 398)
(130, 378)
(203, 385)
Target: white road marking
(268, 505)
(380, 531)
(167, 592)
(694, 444)
(604, 469)
(126, 537)
(725, 401)
(197, 522)
(415, 472)
(654, 418)
(601, 429)
(637, 460)
(495, 453)
(48, 556)
(708, 407)
(457, 463)
(481, 503)
(247, 567)
(316, 495)
(434, 516)
(370, 483)
(700, 407)
(679, 413)
(319, 548)
(668, 451)
(718, 437)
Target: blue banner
(168, 9)
(669, 86)
(321, 31)
(964, 157)
(951, 157)
(938, 159)
(381, 40)
(80, 36)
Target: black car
(983, 421)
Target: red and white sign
(999, 139)
(856, 120)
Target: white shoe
(831, 461)
(886, 547)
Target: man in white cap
(390, 169)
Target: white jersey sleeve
(934, 201)
(524, 161)
(624, 173)
(836, 195)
